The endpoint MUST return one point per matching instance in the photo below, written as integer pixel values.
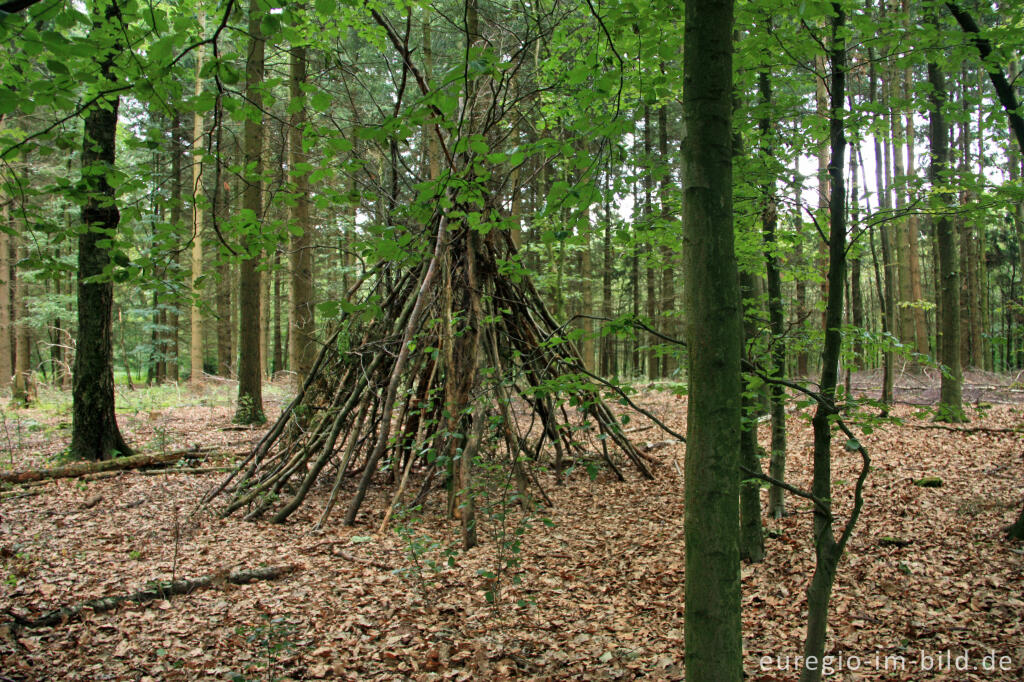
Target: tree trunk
(587, 294)
(913, 225)
(668, 253)
(302, 340)
(1016, 530)
(828, 551)
(22, 388)
(250, 373)
(222, 197)
(6, 309)
(177, 156)
(94, 431)
(278, 355)
(887, 299)
(776, 314)
(196, 343)
(714, 329)
(609, 366)
(751, 525)
(653, 370)
(265, 318)
(950, 401)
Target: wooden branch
(158, 590)
(972, 429)
(1003, 88)
(819, 503)
(76, 469)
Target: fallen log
(76, 469)
(155, 590)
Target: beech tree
(714, 330)
(94, 431)
(250, 372)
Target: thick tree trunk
(302, 331)
(714, 329)
(94, 431)
(250, 373)
(950, 400)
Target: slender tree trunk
(824, 207)
(94, 431)
(653, 370)
(751, 525)
(278, 356)
(668, 253)
(856, 296)
(21, 390)
(914, 224)
(608, 352)
(713, 332)
(6, 309)
(802, 313)
(587, 295)
(302, 333)
(950, 402)
(196, 343)
(828, 551)
(167, 335)
(776, 314)
(250, 374)
(221, 206)
(887, 300)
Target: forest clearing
(599, 591)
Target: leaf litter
(598, 595)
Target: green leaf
(325, 7)
(853, 445)
(321, 101)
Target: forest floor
(595, 595)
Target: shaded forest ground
(600, 592)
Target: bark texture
(94, 431)
(714, 330)
(250, 375)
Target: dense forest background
(579, 136)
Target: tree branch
(1003, 88)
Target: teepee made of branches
(431, 376)
(448, 354)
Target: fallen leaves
(601, 592)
